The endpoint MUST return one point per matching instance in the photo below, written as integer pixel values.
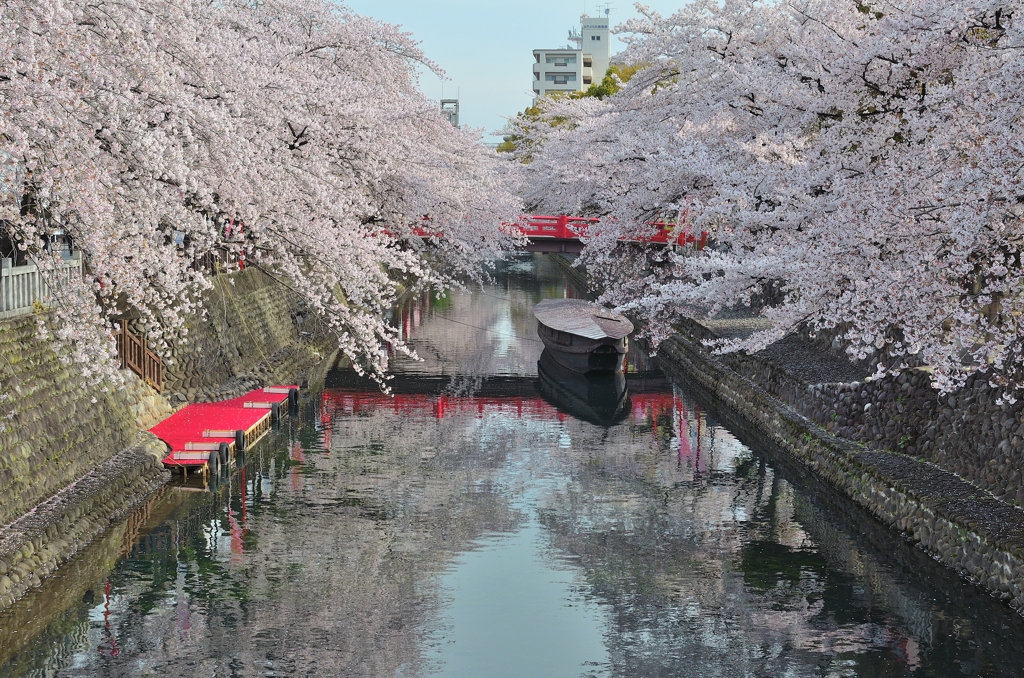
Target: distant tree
(513, 136)
(615, 77)
(519, 136)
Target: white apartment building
(573, 70)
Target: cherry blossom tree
(857, 163)
(289, 133)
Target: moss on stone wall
(53, 433)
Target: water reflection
(474, 525)
(597, 397)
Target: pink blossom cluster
(290, 133)
(858, 164)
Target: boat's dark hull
(585, 363)
(581, 354)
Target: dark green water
(473, 526)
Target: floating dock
(205, 436)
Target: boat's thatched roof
(582, 318)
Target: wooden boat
(204, 436)
(581, 335)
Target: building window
(560, 60)
(595, 37)
(560, 78)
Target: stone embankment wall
(574, 273)
(47, 607)
(55, 428)
(257, 331)
(969, 432)
(37, 543)
(73, 458)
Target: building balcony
(559, 87)
(557, 67)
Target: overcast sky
(486, 47)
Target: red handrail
(565, 227)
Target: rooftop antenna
(575, 36)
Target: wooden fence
(136, 356)
(22, 286)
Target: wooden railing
(21, 287)
(136, 356)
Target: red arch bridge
(562, 233)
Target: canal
(495, 518)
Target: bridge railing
(561, 226)
(667, 234)
(565, 227)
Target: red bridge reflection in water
(659, 410)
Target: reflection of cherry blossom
(861, 163)
(237, 538)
